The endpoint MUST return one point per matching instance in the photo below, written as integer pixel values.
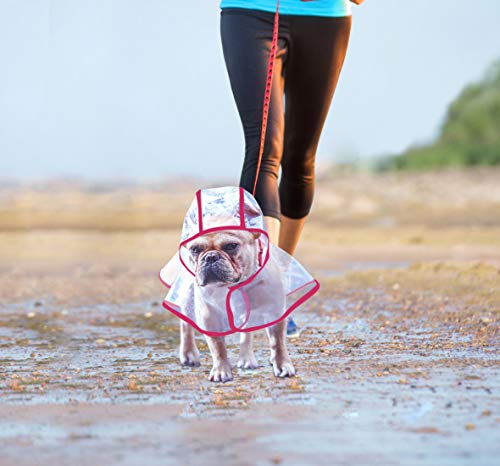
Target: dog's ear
(256, 234)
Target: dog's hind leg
(221, 370)
(282, 364)
(188, 352)
(247, 358)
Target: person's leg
(246, 42)
(316, 54)
(273, 228)
(289, 233)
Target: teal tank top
(295, 7)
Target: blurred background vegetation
(469, 135)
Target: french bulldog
(220, 259)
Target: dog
(224, 258)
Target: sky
(138, 89)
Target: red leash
(267, 93)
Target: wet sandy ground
(396, 365)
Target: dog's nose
(212, 256)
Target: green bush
(469, 135)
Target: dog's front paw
(190, 357)
(283, 367)
(221, 372)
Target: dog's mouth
(219, 272)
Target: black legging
(311, 51)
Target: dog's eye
(195, 250)
(230, 247)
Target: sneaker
(291, 329)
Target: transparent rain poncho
(270, 290)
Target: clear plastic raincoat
(273, 289)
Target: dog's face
(224, 257)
